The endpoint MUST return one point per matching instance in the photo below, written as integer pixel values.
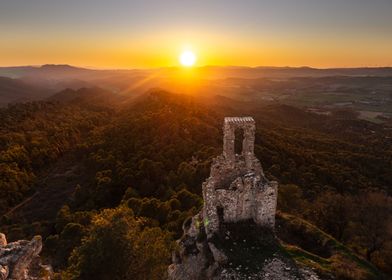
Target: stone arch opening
(243, 143)
(238, 140)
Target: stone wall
(247, 124)
(237, 189)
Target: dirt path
(55, 187)
(16, 207)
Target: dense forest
(131, 172)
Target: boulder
(20, 260)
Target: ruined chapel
(237, 189)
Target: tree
(188, 199)
(372, 227)
(119, 246)
(290, 199)
(332, 212)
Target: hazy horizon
(195, 67)
(150, 34)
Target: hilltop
(145, 159)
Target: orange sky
(143, 34)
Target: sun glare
(187, 58)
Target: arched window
(238, 142)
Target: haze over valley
(364, 91)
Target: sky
(146, 33)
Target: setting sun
(187, 58)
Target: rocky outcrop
(20, 260)
(241, 250)
(233, 235)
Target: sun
(187, 58)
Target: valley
(67, 160)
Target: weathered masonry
(247, 124)
(237, 189)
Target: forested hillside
(132, 171)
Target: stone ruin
(237, 189)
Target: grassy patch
(307, 241)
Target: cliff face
(233, 235)
(20, 260)
(241, 250)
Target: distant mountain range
(25, 83)
(68, 71)
(16, 90)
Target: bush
(119, 246)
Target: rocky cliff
(241, 250)
(233, 236)
(20, 260)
